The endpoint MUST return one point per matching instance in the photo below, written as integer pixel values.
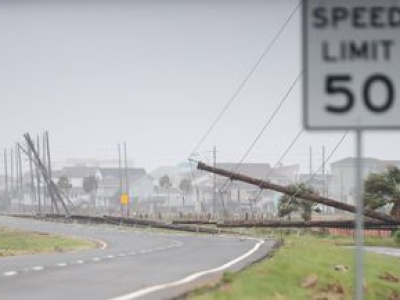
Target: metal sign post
(359, 253)
(351, 57)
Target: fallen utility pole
(369, 224)
(50, 183)
(291, 192)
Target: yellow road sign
(124, 199)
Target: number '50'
(338, 85)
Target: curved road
(136, 264)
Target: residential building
(342, 183)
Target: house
(342, 184)
(172, 172)
(75, 175)
(112, 182)
(237, 196)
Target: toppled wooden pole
(369, 224)
(299, 194)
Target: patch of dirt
(310, 282)
(389, 277)
(394, 295)
(333, 291)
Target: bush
(227, 277)
(397, 237)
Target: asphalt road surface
(129, 263)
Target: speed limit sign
(351, 57)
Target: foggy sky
(155, 74)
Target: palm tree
(64, 184)
(185, 186)
(290, 203)
(89, 186)
(383, 189)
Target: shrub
(397, 237)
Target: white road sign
(351, 56)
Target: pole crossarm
(289, 191)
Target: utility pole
(6, 180)
(32, 181)
(49, 171)
(289, 191)
(127, 180)
(310, 163)
(46, 179)
(17, 178)
(324, 176)
(214, 203)
(120, 178)
(21, 179)
(323, 161)
(38, 177)
(12, 174)
(45, 192)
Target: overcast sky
(156, 74)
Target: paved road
(383, 250)
(135, 264)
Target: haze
(156, 74)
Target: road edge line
(190, 278)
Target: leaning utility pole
(38, 178)
(294, 192)
(49, 181)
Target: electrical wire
(320, 167)
(246, 78)
(227, 182)
(281, 158)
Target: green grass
(281, 276)
(368, 241)
(13, 242)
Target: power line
(265, 126)
(246, 78)
(320, 167)
(270, 173)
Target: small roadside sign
(124, 199)
(351, 58)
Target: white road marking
(121, 255)
(61, 265)
(38, 268)
(110, 256)
(96, 258)
(80, 261)
(132, 253)
(10, 273)
(148, 290)
(103, 244)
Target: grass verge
(14, 242)
(309, 267)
